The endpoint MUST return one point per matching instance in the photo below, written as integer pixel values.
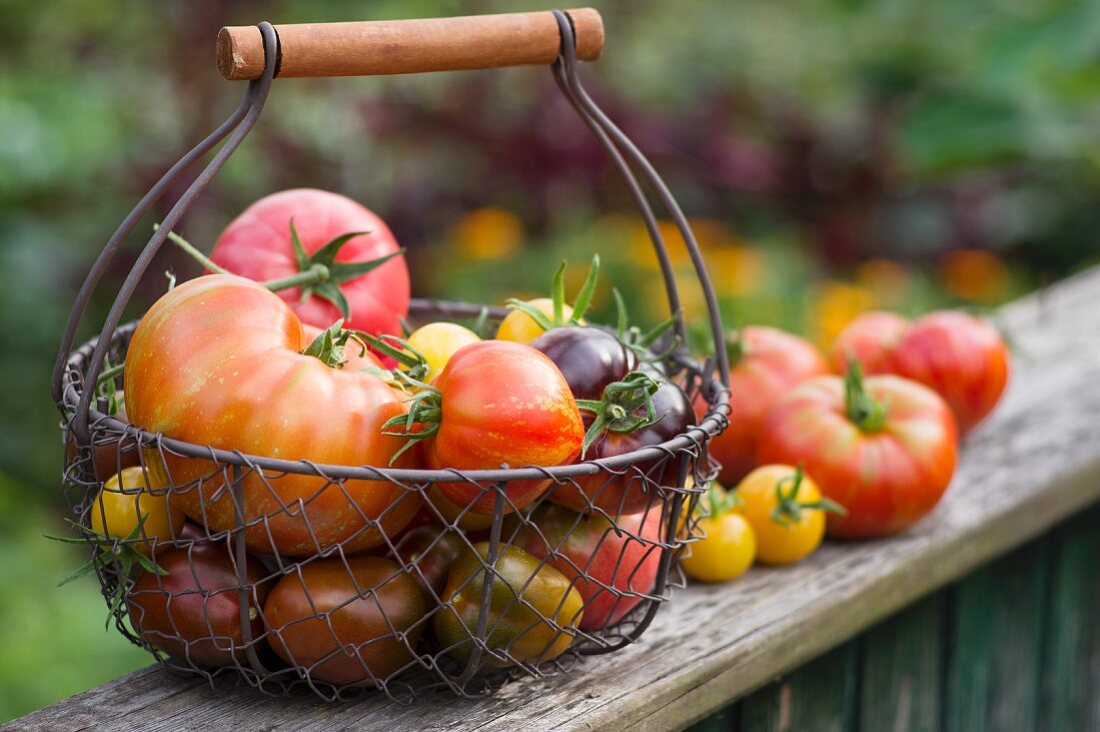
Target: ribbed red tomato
(611, 569)
(499, 403)
(219, 361)
(884, 449)
(765, 364)
(257, 244)
(962, 358)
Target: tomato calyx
(424, 416)
(619, 409)
(318, 273)
(400, 350)
(330, 346)
(788, 509)
(557, 296)
(866, 412)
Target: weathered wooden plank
(1071, 679)
(1033, 464)
(902, 661)
(995, 644)
(820, 696)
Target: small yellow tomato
(786, 511)
(126, 500)
(520, 327)
(437, 342)
(729, 545)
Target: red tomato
(962, 358)
(766, 363)
(502, 403)
(610, 569)
(870, 339)
(885, 453)
(257, 245)
(218, 361)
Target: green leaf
(622, 320)
(557, 294)
(85, 569)
(344, 271)
(332, 292)
(588, 289)
(326, 255)
(301, 257)
(532, 312)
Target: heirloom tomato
(126, 501)
(219, 361)
(496, 403)
(589, 358)
(346, 621)
(259, 244)
(520, 327)
(786, 511)
(428, 552)
(728, 545)
(529, 320)
(533, 608)
(437, 342)
(884, 449)
(637, 412)
(611, 568)
(193, 610)
(765, 363)
(962, 358)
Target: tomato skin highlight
(193, 612)
(217, 361)
(591, 552)
(502, 403)
(356, 643)
(257, 245)
(771, 363)
(886, 479)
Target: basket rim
(713, 423)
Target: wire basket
(464, 602)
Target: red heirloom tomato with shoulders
(259, 245)
(609, 566)
(765, 363)
(962, 358)
(495, 403)
(884, 449)
(221, 361)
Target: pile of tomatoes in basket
(295, 348)
(859, 445)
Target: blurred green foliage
(954, 146)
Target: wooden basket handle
(408, 46)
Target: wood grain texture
(380, 47)
(1034, 463)
(995, 645)
(1071, 664)
(901, 670)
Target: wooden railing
(1035, 462)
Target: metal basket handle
(240, 123)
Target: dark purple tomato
(589, 358)
(194, 611)
(431, 549)
(626, 492)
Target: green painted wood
(994, 643)
(901, 675)
(724, 720)
(820, 696)
(1071, 659)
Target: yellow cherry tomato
(729, 547)
(520, 327)
(786, 511)
(437, 342)
(126, 500)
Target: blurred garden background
(834, 156)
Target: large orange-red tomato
(963, 358)
(870, 339)
(611, 568)
(766, 363)
(218, 361)
(257, 245)
(885, 451)
(502, 403)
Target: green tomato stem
(862, 409)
